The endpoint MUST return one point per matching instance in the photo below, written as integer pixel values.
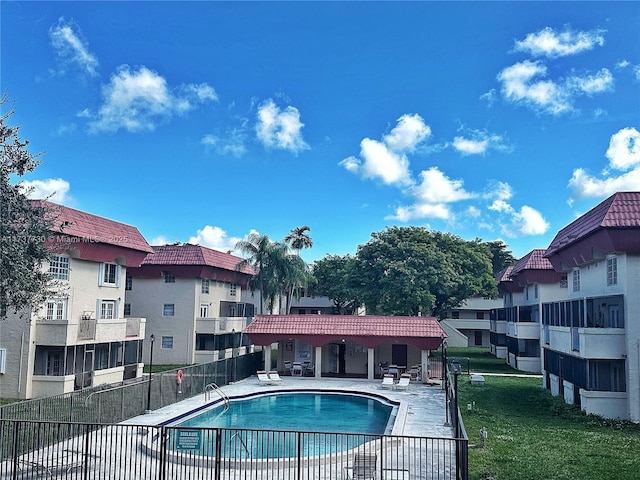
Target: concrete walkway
(421, 412)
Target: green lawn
(532, 435)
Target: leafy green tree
(24, 227)
(501, 258)
(335, 277)
(411, 271)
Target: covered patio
(347, 345)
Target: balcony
(83, 330)
(600, 343)
(523, 330)
(220, 325)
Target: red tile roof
(621, 210)
(93, 238)
(534, 260)
(368, 330)
(188, 254)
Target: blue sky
(203, 121)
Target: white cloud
(71, 49)
(519, 85)
(624, 149)
(432, 197)
(528, 221)
(407, 134)
(139, 99)
(624, 155)
(549, 43)
(386, 160)
(160, 240)
(214, 237)
(232, 143)
(54, 189)
(598, 83)
(524, 83)
(477, 142)
(280, 129)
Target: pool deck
(421, 412)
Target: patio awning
(367, 330)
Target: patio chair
(363, 468)
(263, 378)
(403, 383)
(287, 367)
(387, 381)
(297, 369)
(275, 377)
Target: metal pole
(455, 402)
(152, 338)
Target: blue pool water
(300, 412)
(276, 426)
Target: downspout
(21, 362)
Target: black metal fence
(116, 403)
(88, 451)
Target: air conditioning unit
(86, 315)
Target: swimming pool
(278, 424)
(300, 412)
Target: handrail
(118, 387)
(246, 449)
(212, 387)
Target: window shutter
(118, 275)
(116, 314)
(98, 313)
(101, 275)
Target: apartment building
(589, 338)
(196, 302)
(469, 324)
(529, 280)
(80, 337)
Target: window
(127, 309)
(535, 291)
(205, 286)
(110, 274)
(204, 310)
(526, 292)
(59, 267)
(54, 364)
(564, 282)
(232, 289)
(479, 316)
(167, 342)
(455, 314)
(3, 360)
(107, 309)
(168, 310)
(576, 280)
(56, 309)
(168, 277)
(612, 270)
(128, 283)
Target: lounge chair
(287, 367)
(275, 377)
(263, 378)
(387, 381)
(403, 383)
(363, 468)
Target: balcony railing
(87, 329)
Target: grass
(535, 436)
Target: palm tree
(298, 238)
(258, 250)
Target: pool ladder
(212, 387)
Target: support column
(424, 362)
(267, 357)
(318, 360)
(370, 364)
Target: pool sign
(188, 439)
